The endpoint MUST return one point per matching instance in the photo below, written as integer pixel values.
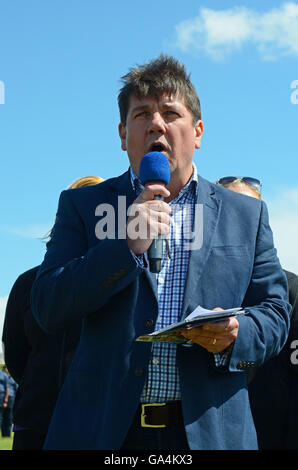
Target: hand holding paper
(224, 332)
(225, 328)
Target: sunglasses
(226, 180)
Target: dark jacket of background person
(38, 362)
(273, 389)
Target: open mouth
(157, 148)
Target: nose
(157, 124)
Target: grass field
(6, 443)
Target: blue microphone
(155, 168)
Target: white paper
(203, 311)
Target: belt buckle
(143, 416)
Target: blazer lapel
(198, 257)
(122, 186)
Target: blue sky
(60, 69)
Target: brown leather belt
(160, 415)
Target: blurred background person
(38, 362)
(4, 393)
(6, 425)
(273, 387)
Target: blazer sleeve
(16, 345)
(263, 331)
(74, 279)
(293, 335)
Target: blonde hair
(242, 185)
(79, 183)
(85, 181)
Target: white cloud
(218, 33)
(28, 231)
(3, 302)
(283, 213)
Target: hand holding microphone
(151, 209)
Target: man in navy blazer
(117, 394)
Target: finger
(208, 343)
(214, 343)
(160, 229)
(154, 190)
(206, 331)
(159, 206)
(148, 210)
(216, 326)
(199, 334)
(162, 217)
(222, 326)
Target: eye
(142, 114)
(171, 113)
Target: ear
(198, 129)
(122, 135)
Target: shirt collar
(191, 186)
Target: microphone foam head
(155, 168)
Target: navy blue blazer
(102, 283)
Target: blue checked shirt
(162, 384)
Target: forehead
(164, 100)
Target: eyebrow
(141, 107)
(144, 107)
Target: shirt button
(139, 372)
(161, 280)
(155, 361)
(149, 323)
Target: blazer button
(149, 323)
(139, 372)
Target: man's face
(163, 125)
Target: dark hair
(162, 75)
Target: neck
(176, 183)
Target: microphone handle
(156, 249)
